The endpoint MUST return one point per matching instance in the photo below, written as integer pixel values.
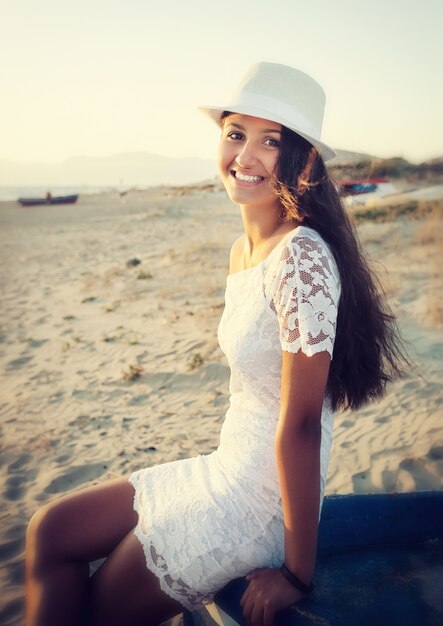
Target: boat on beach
(356, 186)
(380, 561)
(72, 199)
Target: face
(247, 157)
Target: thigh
(125, 591)
(86, 524)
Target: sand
(110, 360)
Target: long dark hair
(368, 349)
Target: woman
(305, 331)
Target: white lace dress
(205, 520)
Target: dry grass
(431, 231)
(433, 208)
(195, 362)
(144, 275)
(429, 235)
(412, 209)
(133, 372)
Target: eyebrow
(266, 130)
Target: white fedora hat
(281, 94)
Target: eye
(274, 143)
(237, 135)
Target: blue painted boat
(380, 563)
(48, 200)
(355, 188)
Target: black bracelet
(295, 580)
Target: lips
(250, 179)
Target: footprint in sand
(37, 343)
(80, 421)
(7, 456)
(17, 485)
(17, 363)
(9, 549)
(383, 419)
(363, 484)
(19, 463)
(76, 476)
(11, 610)
(435, 453)
(64, 456)
(16, 574)
(41, 320)
(86, 423)
(84, 394)
(420, 474)
(389, 479)
(141, 399)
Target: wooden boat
(380, 562)
(48, 200)
(354, 189)
(355, 186)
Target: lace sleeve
(304, 294)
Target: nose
(246, 156)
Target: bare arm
(297, 449)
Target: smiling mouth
(244, 178)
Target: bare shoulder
(237, 249)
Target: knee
(44, 528)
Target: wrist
(295, 581)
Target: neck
(260, 224)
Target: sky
(101, 77)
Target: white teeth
(248, 179)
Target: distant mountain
(127, 169)
(436, 162)
(133, 168)
(346, 156)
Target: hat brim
(215, 111)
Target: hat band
(277, 108)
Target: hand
(268, 592)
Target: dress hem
(152, 566)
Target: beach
(110, 360)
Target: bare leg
(63, 537)
(124, 591)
